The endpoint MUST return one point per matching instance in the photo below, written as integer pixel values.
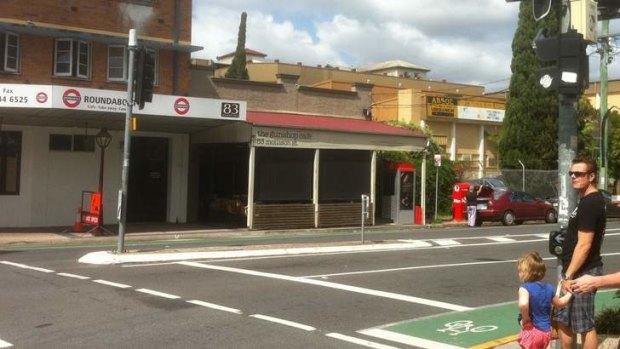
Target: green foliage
(237, 69)
(588, 119)
(608, 321)
(613, 154)
(529, 130)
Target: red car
(512, 207)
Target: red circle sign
(71, 98)
(41, 97)
(181, 106)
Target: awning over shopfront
(288, 130)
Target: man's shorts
(579, 313)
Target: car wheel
(550, 217)
(509, 218)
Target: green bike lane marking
(484, 327)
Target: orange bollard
(77, 226)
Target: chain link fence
(540, 183)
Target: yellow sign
(441, 106)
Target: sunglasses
(577, 174)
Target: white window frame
(124, 63)
(79, 62)
(7, 45)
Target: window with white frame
(118, 58)
(72, 58)
(117, 69)
(9, 52)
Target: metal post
(132, 46)
(523, 176)
(100, 190)
(602, 180)
(436, 188)
(423, 184)
(365, 211)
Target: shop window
(9, 52)
(72, 58)
(60, 142)
(118, 63)
(10, 158)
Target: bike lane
(480, 328)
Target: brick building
(63, 78)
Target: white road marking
(24, 266)
(446, 242)
(73, 276)
(417, 243)
(283, 322)
(355, 289)
(450, 265)
(409, 340)
(215, 306)
(359, 341)
(110, 283)
(4, 344)
(500, 239)
(157, 293)
(543, 236)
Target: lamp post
(103, 140)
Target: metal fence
(540, 183)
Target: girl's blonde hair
(531, 267)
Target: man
(581, 254)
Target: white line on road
(73, 276)
(409, 340)
(283, 322)
(544, 236)
(24, 266)
(158, 294)
(446, 242)
(110, 283)
(4, 344)
(215, 306)
(500, 239)
(355, 289)
(359, 341)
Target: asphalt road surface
(336, 300)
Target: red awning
(327, 123)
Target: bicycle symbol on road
(463, 326)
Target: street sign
(437, 160)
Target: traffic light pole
(122, 195)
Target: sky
(463, 41)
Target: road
(383, 299)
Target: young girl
(535, 300)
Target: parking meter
(556, 240)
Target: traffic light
(563, 62)
(145, 77)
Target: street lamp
(103, 139)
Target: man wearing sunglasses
(581, 254)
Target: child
(535, 300)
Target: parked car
(512, 207)
(613, 207)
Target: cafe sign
(441, 106)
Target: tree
(237, 69)
(529, 130)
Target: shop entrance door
(147, 192)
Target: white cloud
(460, 41)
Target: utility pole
(604, 40)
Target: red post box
(459, 192)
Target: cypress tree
(529, 131)
(237, 69)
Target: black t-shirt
(472, 198)
(589, 216)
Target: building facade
(65, 66)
